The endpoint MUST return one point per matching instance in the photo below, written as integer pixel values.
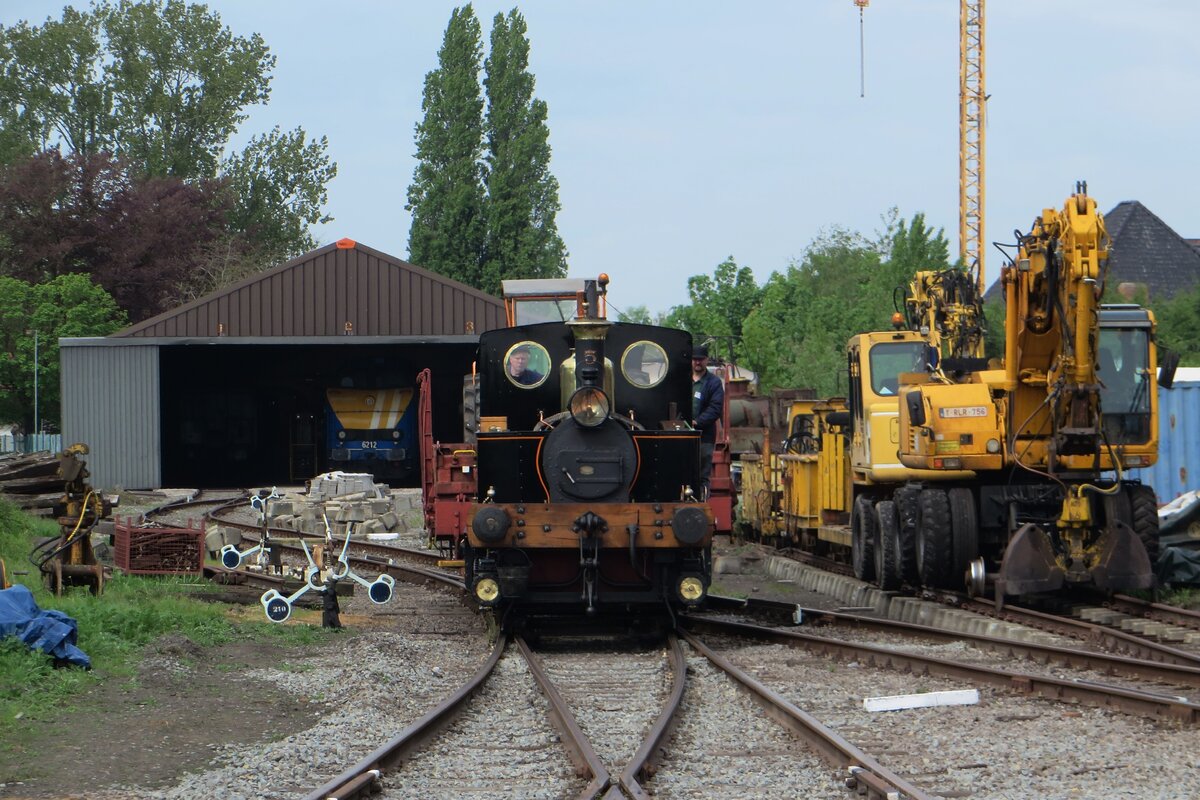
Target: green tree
(180, 82)
(446, 197)
(845, 284)
(69, 305)
(163, 85)
(522, 194)
(278, 184)
(1179, 326)
(642, 316)
(797, 336)
(720, 303)
(51, 88)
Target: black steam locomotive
(585, 471)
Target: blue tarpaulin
(50, 631)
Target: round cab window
(526, 365)
(644, 364)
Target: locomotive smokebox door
(589, 463)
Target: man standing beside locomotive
(708, 403)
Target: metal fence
(30, 443)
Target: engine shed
(258, 383)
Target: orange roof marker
(346, 244)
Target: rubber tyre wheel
(1144, 506)
(935, 546)
(908, 509)
(887, 523)
(964, 526)
(862, 539)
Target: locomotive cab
(587, 478)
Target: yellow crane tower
(971, 105)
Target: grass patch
(113, 628)
(1184, 598)
(720, 589)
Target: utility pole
(37, 423)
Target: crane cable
(862, 61)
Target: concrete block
(280, 508)
(925, 612)
(390, 520)
(897, 607)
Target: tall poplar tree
(522, 199)
(446, 195)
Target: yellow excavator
(1032, 493)
(942, 469)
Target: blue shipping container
(1178, 468)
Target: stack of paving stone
(348, 499)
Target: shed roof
(322, 292)
(1145, 250)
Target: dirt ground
(168, 721)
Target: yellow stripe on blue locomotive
(369, 409)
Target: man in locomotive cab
(518, 367)
(708, 403)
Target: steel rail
(366, 776)
(381, 550)
(1078, 659)
(405, 572)
(642, 765)
(879, 781)
(579, 748)
(1101, 635)
(1154, 706)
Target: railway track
(1026, 736)
(846, 626)
(614, 711)
(1122, 624)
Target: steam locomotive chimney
(589, 331)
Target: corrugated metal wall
(320, 292)
(110, 402)
(1178, 468)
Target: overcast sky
(687, 132)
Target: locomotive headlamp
(993, 445)
(487, 590)
(395, 434)
(691, 589)
(589, 406)
(341, 434)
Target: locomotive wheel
(908, 509)
(1144, 506)
(964, 525)
(935, 544)
(862, 539)
(887, 524)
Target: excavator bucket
(1029, 564)
(1122, 563)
